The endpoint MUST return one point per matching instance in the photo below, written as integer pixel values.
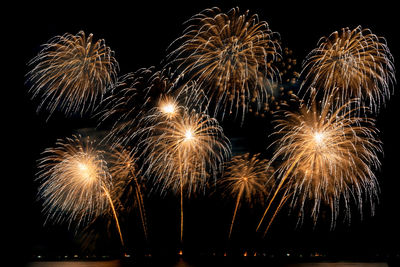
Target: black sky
(139, 34)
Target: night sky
(139, 35)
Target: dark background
(139, 34)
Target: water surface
(182, 263)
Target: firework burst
(189, 140)
(172, 105)
(230, 54)
(144, 98)
(127, 187)
(356, 61)
(72, 72)
(75, 182)
(133, 97)
(328, 155)
(181, 153)
(248, 178)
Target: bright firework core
(319, 138)
(86, 171)
(168, 108)
(188, 135)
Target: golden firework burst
(180, 153)
(72, 73)
(75, 182)
(127, 187)
(229, 54)
(188, 140)
(357, 62)
(328, 154)
(248, 178)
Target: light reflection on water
(182, 263)
(339, 264)
(114, 263)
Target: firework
(71, 73)
(229, 54)
(133, 96)
(143, 98)
(357, 62)
(282, 92)
(167, 107)
(180, 153)
(328, 155)
(75, 182)
(171, 105)
(127, 186)
(194, 137)
(248, 178)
